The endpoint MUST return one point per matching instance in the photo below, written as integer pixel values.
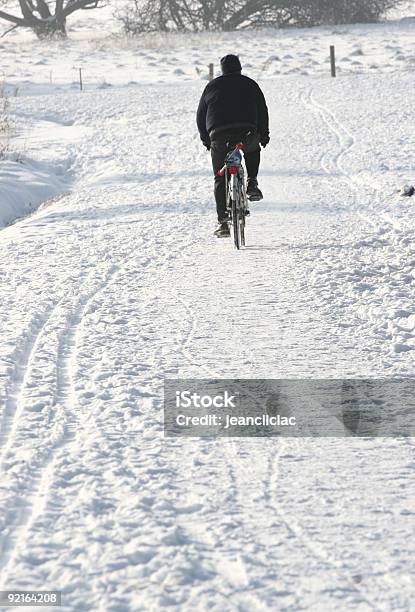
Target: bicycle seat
(242, 141)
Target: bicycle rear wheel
(242, 211)
(235, 224)
(242, 230)
(235, 211)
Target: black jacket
(232, 98)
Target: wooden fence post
(211, 72)
(81, 84)
(333, 60)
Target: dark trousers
(219, 150)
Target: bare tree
(47, 18)
(195, 15)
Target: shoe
(253, 192)
(222, 231)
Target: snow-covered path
(110, 289)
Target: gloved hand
(265, 141)
(206, 144)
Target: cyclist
(231, 106)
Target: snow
(23, 187)
(110, 60)
(116, 282)
(38, 168)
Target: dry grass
(5, 126)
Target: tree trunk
(55, 28)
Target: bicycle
(236, 198)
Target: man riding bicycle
(233, 109)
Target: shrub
(141, 16)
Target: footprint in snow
(402, 348)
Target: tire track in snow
(318, 551)
(270, 488)
(333, 164)
(237, 559)
(14, 404)
(236, 564)
(66, 357)
(65, 428)
(347, 142)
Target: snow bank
(50, 144)
(24, 186)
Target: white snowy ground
(108, 289)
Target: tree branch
(17, 20)
(9, 30)
(27, 12)
(76, 5)
(43, 9)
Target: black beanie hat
(230, 64)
